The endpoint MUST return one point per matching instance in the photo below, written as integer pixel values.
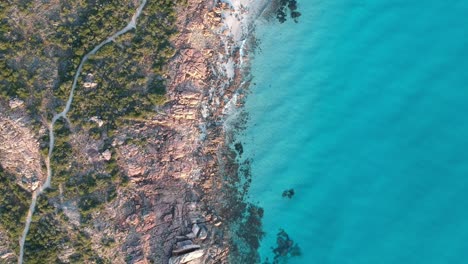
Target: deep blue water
(362, 108)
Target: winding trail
(131, 25)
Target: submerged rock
(239, 148)
(285, 248)
(283, 6)
(288, 193)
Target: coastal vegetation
(14, 203)
(91, 189)
(129, 75)
(52, 236)
(41, 46)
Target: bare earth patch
(19, 152)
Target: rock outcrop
(175, 160)
(19, 151)
(172, 160)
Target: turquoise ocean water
(362, 109)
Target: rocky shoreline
(208, 66)
(184, 200)
(206, 88)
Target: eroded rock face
(191, 258)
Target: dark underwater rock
(285, 248)
(282, 12)
(288, 193)
(239, 148)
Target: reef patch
(288, 193)
(282, 12)
(285, 249)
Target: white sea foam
(241, 20)
(240, 23)
(231, 113)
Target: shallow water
(361, 108)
